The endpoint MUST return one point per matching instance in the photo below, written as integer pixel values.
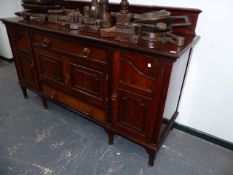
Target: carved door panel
(21, 40)
(87, 82)
(27, 71)
(23, 57)
(51, 68)
(135, 94)
(132, 114)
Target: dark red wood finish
(23, 58)
(121, 86)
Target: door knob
(85, 52)
(114, 95)
(45, 42)
(53, 94)
(87, 110)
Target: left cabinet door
(26, 67)
(23, 56)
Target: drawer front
(85, 51)
(78, 105)
(138, 73)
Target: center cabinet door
(135, 95)
(51, 67)
(87, 81)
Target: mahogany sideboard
(132, 90)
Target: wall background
(7, 9)
(207, 101)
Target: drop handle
(85, 52)
(87, 111)
(53, 94)
(114, 95)
(45, 42)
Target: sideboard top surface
(169, 51)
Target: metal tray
(41, 7)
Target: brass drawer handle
(45, 42)
(87, 111)
(53, 94)
(85, 52)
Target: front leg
(152, 155)
(110, 136)
(24, 90)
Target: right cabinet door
(135, 94)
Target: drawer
(84, 51)
(76, 104)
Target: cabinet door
(23, 57)
(132, 114)
(26, 67)
(51, 68)
(135, 94)
(87, 82)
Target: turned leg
(44, 101)
(24, 90)
(110, 136)
(152, 154)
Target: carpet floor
(34, 141)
